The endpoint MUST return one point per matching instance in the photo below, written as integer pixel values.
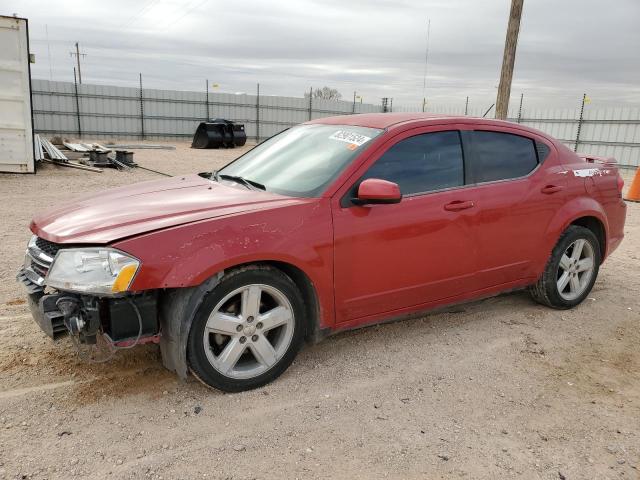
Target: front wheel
(571, 271)
(247, 331)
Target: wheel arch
(178, 307)
(309, 296)
(597, 227)
(584, 211)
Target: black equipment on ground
(219, 133)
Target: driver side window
(422, 163)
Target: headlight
(92, 270)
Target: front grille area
(37, 262)
(47, 247)
(39, 269)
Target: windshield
(303, 160)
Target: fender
(187, 256)
(177, 310)
(574, 209)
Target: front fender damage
(178, 308)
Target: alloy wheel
(248, 331)
(575, 269)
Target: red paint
(376, 190)
(367, 263)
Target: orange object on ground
(633, 195)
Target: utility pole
(77, 54)
(508, 59)
(426, 65)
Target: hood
(134, 209)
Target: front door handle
(552, 189)
(458, 205)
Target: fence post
(466, 105)
(258, 116)
(575, 148)
(391, 107)
(208, 117)
(310, 102)
(141, 110)
(520, 108)
(75, 85)
(354, 103)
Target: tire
(247, 331)
(578, 283)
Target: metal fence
(104, 111)
(604, 131)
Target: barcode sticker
(350, 137)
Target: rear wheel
(247, 331)
(571, 271)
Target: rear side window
(423, 163)
(500, 156)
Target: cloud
(374, 47)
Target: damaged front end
(83, 291)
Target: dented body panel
(298, 234)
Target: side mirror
(376, 191)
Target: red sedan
(330, 225)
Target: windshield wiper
(250, 184)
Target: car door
(518, 189)
(400, 256)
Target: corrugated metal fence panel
(110, 111)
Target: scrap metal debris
(122, 146)
(92, 157)
(39, 154)
(44, 148)
(53, 151)
(86, 147)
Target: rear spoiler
(604, 161)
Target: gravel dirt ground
(500, 388)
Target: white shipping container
(16, 129)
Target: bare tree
(325, 93)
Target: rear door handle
(458, 205)
(552, 189)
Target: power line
(145, 9)
(187, 12)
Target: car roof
(377, 120)
(386, 120)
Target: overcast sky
(376, 47)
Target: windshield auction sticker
(350, 137)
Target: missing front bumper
(122, 319)
(46, 315)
